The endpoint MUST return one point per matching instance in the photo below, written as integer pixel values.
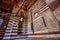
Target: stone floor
(43, 38)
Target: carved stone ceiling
(26, 5)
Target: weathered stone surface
(49, 18)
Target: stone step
(13, 20)
(16, 20)
(8, 30)
(14, 30)
(14, 38)
(19, 37)
(15, 23)
(15, 26)
(18, 28)
(16, 17)
(10, 33)
(10, 25)
(10, 20)
(6, 38)
(22, 39)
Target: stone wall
(57, 14)
(42, 17)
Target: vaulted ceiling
(23, 4)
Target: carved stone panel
(38, 24)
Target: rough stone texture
(38, 24)
(57, 14)
(50, 20)
(15, 9)
(29, 23)
(43, 38)
(36, 8)
(49, 1)
(42, 10)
